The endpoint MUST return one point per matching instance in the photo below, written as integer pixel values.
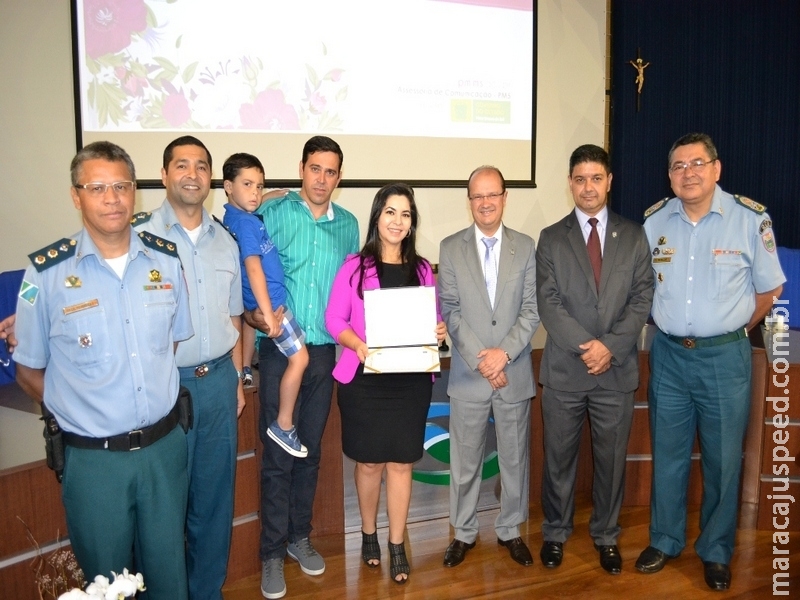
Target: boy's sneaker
(247, 376)
(302, 551)
(272, 583)
(287, 439)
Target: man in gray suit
(487, 289)
(594, 295)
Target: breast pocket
(224, 274)
(727, 271)
(159, 308)
(83, 337)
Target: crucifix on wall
(640, 66)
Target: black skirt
(383, 416)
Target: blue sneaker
(287, 439)
(247, 376)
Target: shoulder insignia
(139, 218)
(225, 227)
(656, 207)
(748, 203)
(765, 224)
(160, 244)
(53, 254)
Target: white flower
(121, 588)
(74, 594)
(98, 587)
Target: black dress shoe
(551, 554)
(455, 553)
(717, 575)
(518, 550)
(610, 558)
(652, 560)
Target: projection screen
(413, 90)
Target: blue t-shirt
(251, 235)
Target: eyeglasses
(98, 189)
(494, 196)
(695, 166)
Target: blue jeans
(288, 484)
(212, 469)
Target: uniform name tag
(68, 310)
(662, 259)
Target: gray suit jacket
(473, 325)
(573, 312)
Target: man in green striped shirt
(313, 237)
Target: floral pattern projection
(127, 92)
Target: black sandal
(370, 549)
(397, 552)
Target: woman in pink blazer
(383, 416)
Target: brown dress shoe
(455, 553)
(610, 558)
(518, 550)
(717, 575)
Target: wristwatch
(240, 375)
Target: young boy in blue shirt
(263, 287)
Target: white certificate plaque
(401, 330)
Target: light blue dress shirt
(105, 343)
(707, 274)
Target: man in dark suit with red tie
(595, 289)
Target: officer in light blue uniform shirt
(98, 317)
(210, 363)
(717, 271)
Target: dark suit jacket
(573, 312)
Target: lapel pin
(613, 234)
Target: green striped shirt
(311, 253)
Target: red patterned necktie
(595, 253)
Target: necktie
(489, 268)
(595, 254)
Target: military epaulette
(225, 227)
(748, 203)
(53, 254)
(157, 243)
(139, 218)
(656, 207)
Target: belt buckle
(201, 371)
(135, 439)
(688, 343)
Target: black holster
(53, 443)
(186, 418)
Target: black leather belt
(706, 342)
(202, 370)
(124, 442)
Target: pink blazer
(345, 310)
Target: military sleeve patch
(157, 243)
(748, 203)
(28, 292)
(769, 241)
(765, 224)
(656, 207)
(139, 218)
(53, 254)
